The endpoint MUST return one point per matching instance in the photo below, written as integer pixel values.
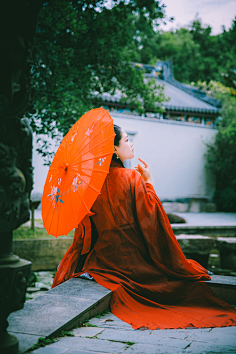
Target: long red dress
(137, 256)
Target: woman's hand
(144, 171)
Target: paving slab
(50, 350)
(111, 321)
(143, 337)
(91, 344)
(87, 331)
(217, 339)
(174, 343)
(61, 350)
(179, 333)
(128, 336)
(59, 309)
(224, 330)
(150, 349)
(209, 348)
(74, 351)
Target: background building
(173, 143)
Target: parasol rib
(90, 185)
(105, 126)
(89, 159)
(87, 208)
(101, 143)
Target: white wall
(40, 171)
(174, 150)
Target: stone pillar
(18, 21)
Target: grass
(102, 314)
(38, 221)
(42, 342)
(24, 232)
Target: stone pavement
(108, 334)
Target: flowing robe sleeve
(68, 264)
(155, 227)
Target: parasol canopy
(77, 172)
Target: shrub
(221, 155)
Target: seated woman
(134, 253)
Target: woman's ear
(114, 150)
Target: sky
(215, 13)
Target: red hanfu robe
(137, 256)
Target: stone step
(224, 287)
(196, 247)
(205, 230)
(61, 308)
(44, 253)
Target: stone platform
(61, 308)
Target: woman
(135, 254)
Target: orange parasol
(77, 172)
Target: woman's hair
(118, 131)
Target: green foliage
(181, 48)
(42, 342)
(86, 323)
(66, 334)
(80, 49)
(32, 280)
(195, 52)
(89, 325)
(222, 154)
(102, 314)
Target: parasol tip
(66, 167)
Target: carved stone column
(18, 20)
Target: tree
(196, 53)
(222, 153)
(82, 48)
(184, 52)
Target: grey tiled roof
(182, 100)
(179, 100)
